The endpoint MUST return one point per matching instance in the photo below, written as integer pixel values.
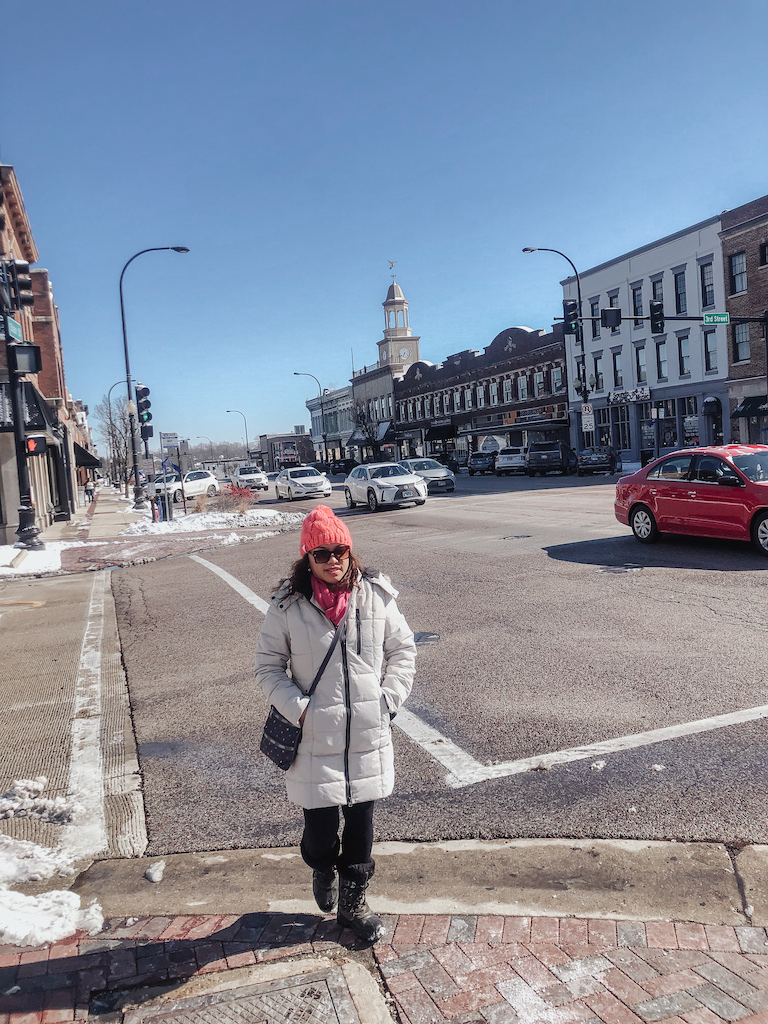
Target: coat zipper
(357, 621)
(348, 704)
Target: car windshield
(480, 455)
(543, 446)
(382, 471)
(248, 469)
(170, 479)
(425, 464)
(754, 466)
(511, 451)
(296, 473)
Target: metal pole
(297, 373)
(27, 530)
(245, 421)
(139, 497)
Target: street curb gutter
(613, 879)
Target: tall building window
(480, 392)
(599, 379)
(557, 378)
(637, 303)
(467, 398)
(457, 400)
(618, 376)
(661, 360)
(522, 387)
(740, 342)
(642, 375)
(707, 284)
(507, 389)
(684, 356)
(594, 309)
(710, 350)
(494, 393)
(613, 302)
(763, 254)
(738, 263)
(446, 402)
(657, 289)
(681, 302)
(538, 383)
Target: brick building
(744, 238)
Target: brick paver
(437, 968)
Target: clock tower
(398, 348)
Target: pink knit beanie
(322, 528)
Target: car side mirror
(730, 481)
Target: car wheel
(177, 496)
(348, 498)
(211, 491)
(420, 501)
(277, 493)
(373, 501)
(471, 472)
(579, 472)
(760, 532)
(531, 473)
(290, 494)
(644, 525)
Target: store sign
(632, 395)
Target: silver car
(439, 478)
(302, 482)
(511, 460)
(383, 483)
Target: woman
(345, 758)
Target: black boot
(325, 887)
(355, 913)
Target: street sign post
(169, 440)
(717, 318)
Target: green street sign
(717, 318)
(13, 329)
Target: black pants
(320, 846)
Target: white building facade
(652, 393)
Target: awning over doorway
(441, 432)
(754, 405)
(357, 438)
(386, 433)
(84, 458)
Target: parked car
(599, 459)
(545, 456)
(717, 491)
(383, 483)
(511, 460)
(195, 482)
(344, 466)
(481, 462)
(302, 482)
(251, 476)
(439, 478)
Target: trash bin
(165, 504)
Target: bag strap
(327, 657)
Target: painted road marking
(87, 835)
(235, 583)
(463, 770)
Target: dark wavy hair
(300, 579)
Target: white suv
(511, 460)
(250, 476)
(196, 481)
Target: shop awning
(440, 433)
(711, 405)
(84, 458)
(357, 438)
(755, 405)
(386, 433)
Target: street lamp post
(245, 421)
(112, 445)
(138, 490)
(297, 373)
(581, 390)
(202, 437)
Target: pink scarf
(333, 602)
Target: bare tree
(368, 427)
(113, 426)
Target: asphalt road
(556, 629)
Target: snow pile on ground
(36, 920)
(47, 560)
(197, 521)
(24, 800)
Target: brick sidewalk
(489, 970)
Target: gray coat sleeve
(399, 658)
(273, 653)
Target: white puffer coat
(345, 755)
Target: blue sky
(297, 147)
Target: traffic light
(143, 403)
(19, 284)
(610, 317)
(570, 316)
(657, 316)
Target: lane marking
(235, 583)
(87, 835)
(463, 770)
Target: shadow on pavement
(622, 554)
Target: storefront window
(621, 431)
(647, 433)
(665, 411)
(603, 425)
(690, 413)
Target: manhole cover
(629, 567)
(321, 997)
(426, 638)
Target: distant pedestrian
(345, 758)
(89, 490)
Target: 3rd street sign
(717, 318)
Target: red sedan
(707, 492)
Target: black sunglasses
(323, 555)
